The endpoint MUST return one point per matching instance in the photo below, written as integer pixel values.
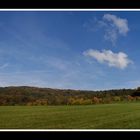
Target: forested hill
(46, 96)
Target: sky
(86, 50)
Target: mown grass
(105, 116)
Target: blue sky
(91, 50)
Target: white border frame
(71, 130)
(69, 9)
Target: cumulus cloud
(114, 26)
(118, 60)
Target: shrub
(116, 98)
(130, 98)
(95, 100)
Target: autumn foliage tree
(46, 96)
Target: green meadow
(103, 116)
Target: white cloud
(114, 26)
(120, 23)
(118, 60)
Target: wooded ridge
(24, 95)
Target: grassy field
(125, 115)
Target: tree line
(46, 96)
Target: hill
(24, 95)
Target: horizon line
(67, 88)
